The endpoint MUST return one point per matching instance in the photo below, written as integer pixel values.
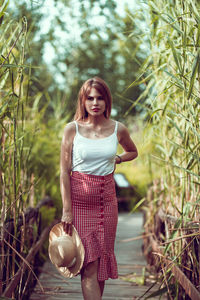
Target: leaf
(155, 11)
(20, 66)
(195, 131)
(176, 55)
(154, 112)
(189, 165)
(195, 11)
(3, 8)
(176, 126)
(194, 72)
(197, 100)
(136, 82)
(138, 204)
(160, 291)
(176, 226)
(176, 166)
(177, 80)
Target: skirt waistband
(90, 177)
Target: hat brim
(68, 272)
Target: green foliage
(172, 81)
(13, 170)
(108, 55)
(174, 111)
(100, 44)
(47, 216)
(30, 143)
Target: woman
(88, 159)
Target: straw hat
(66, 252)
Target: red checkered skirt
(95, 214)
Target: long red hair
(100, 85)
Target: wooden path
(131, 265)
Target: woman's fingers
(70, 229)
(67, 227)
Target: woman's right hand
(67, 220)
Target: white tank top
(96, 157)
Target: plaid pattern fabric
(95, 213)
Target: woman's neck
(95, 121)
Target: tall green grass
(174, 115)
(172, 78)
(30, 146)
(15, 185)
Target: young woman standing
(88, 159)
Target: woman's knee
(90, 270)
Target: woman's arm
(65, 170)
(130, 150)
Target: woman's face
(95, 105)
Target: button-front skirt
(95, 213)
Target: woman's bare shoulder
(122, 132)
(112, 122)
(122, 128)
(70, 129)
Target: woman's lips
(95, 109)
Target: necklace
(96, 134)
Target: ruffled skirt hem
(107, 267)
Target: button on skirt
(95, 212)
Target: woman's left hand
(67, 220)
(67, 227)
(118, 159)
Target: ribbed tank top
(94, 156)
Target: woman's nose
(95, 100)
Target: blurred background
(66, 43)
(148, 53)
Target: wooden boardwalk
(131, 264)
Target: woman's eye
(91, 98)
